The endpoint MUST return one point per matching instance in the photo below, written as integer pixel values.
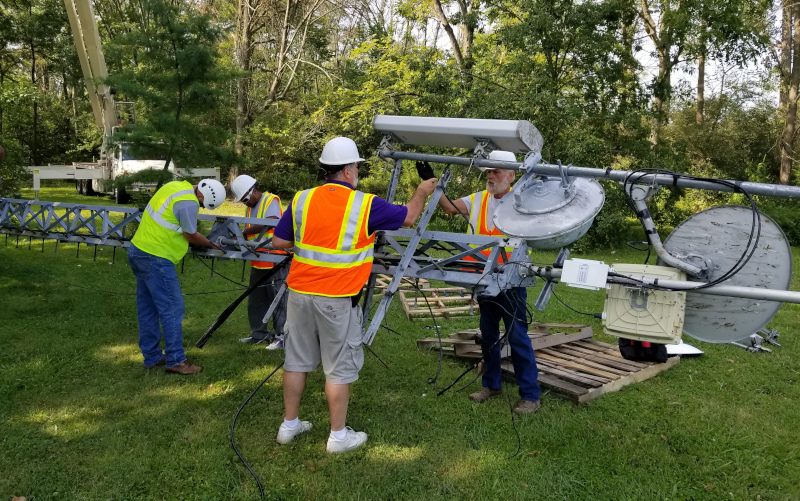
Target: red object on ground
(2, 153)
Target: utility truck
(115, 158)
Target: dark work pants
(259, 300)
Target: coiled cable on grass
(233, 428)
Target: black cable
(376, 355)
(508, 392)
(528, 312)
(242, 286)
(221, 275)
(233, 427)
(390, 329)
(471, 226)
(227, 312)
(513, 423)
(570, 307)
(634, 247)
(751, 246)
(500, 340)
(470, 383)
(431, 380)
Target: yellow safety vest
(160, 232)
(260, 212)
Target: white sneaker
(286, 434)
(276, 345)
(251, 340)
(353, 440)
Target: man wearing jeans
(509, 306)
(169, 225)
(332, 228)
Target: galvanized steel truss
(404, 253)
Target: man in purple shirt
(326, 330)
(382, 215)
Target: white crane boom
(93, 64)
(97, 177)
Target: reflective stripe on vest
(478, 217)
(332, 250)
(160, 233)
(261, 212)
(158, 215)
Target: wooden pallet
(383, 281)
(462, 343)
(571, 365)
(581, 371)
(443, 302)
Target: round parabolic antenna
(548, 215)
(721, 234)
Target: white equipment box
(645, 314)
(584, 274)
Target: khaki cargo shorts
(323, 329)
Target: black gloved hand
(425, 170)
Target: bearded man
(509, 306)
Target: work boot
(353, 440)
(185, 368)
(484, 394)
(286, 434)
(527, 407)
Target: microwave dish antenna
(549, 212)
(722, 235)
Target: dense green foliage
(274, 81)
(175, 76)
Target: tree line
(704, 87)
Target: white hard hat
(213, 193)
(503, 156)
(340, 151)
(241, 186)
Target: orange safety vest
(260, 212)
(332, 250)
(478, 216)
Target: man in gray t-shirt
(262, 205)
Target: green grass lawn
(81, 419)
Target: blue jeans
(159, 300)
(508, 306)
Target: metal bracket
(550, 283)
(771, 336)
(387, 142)
(275, 302)
(483, 148)
(639, 297)
(755, 344)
